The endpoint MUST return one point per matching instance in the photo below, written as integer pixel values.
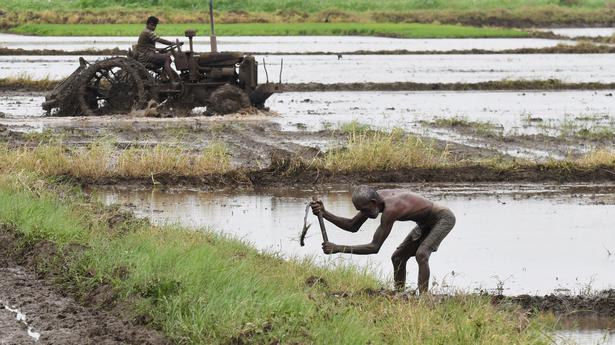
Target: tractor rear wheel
(114, 85)
(228, 99)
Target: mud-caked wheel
(228, 99)
(115, 85)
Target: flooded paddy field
(499, 241)
(284, 44)
(581, 32)
(330, 69)
(510, 239)
(523, 112)
(535, 124)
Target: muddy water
(21, 317)
(523, 238)
(582, 32)
(286, 44)
(584, 337)
(520, 111)
(379, 68)
(586, 331)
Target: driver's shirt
(146, 46)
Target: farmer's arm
(373, 247)
(348, 224)
(163, 41)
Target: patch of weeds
(596, 133)
(354, 127)
(592, 118)
(301, 126)
(530, 119)
(481, 128)
(48, 135)
(327, 125)
(219, 128)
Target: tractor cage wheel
(144, 87)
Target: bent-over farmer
(433, 221)
(147, 52)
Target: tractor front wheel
(228, 99)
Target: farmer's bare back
(433, 221)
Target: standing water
(516, 238)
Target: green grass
(203, 288)
(297, 5)
(26, 82)
(274, 29)
(368, 150)
(101, 159)
(481, 128)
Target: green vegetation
(374, 150)
(274, 29)
(303, 6)
(601, 157)
(482, 128)
(355, 127)
(202, 288)
(102, 160)
(515, 13)
(365, 150)
(26, 82)
(579, 128)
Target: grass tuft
(600, 157)
(25, 81)
(369, 151)
(102, 160)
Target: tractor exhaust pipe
(212, 38)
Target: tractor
(222, 82)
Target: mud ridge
(596, 304)
(500, 85)
(579, 48)
(549, 84)
(57, 317)
(298, 174)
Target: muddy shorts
(431, 234)
(155, 59)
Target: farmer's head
(152, 22)
(365, 199)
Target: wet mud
(600, 303)
(50, 311)
(504, 85)
(564, 48)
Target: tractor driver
(433, 220)
(147, 52)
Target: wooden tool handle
(321, 222)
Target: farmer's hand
(329, 248)
(317, 207)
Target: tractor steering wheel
(171, 47)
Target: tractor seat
(220, 59)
